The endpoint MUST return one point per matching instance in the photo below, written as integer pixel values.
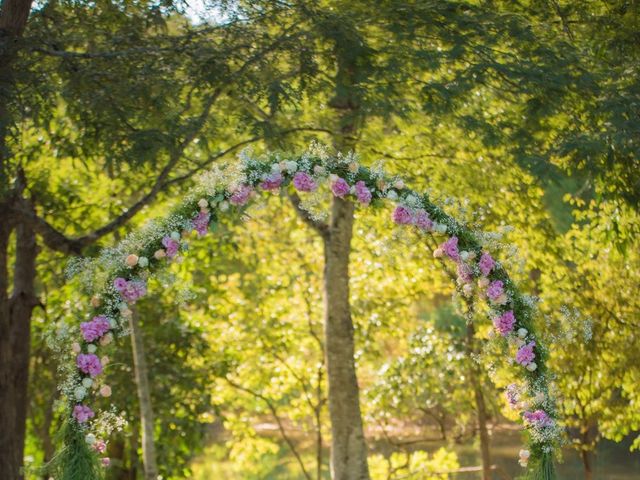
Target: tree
(109, 104)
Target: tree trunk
(481, 408)
(144, 396)
(348, 447)
(15, 345)
(23, 300)
(13, 370)
(587, 464)
(9, 462)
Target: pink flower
(340, 187)
(495, 290)
(171, 245)
(304, 182)
(89, 363)
(525, 354)
(272, 182)
(450, 248)
(363, 193)
(486, 263)
(539, 418)
(99, 446)
(119, 284)
(82, 413)
(241, 195)
(402, 215)
(422, 221)
(95, 329)
(201, 223)
(504, 323)
(465, 275)
(106, 461)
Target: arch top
(118, 278)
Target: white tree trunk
(144, 397)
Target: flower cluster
(130, 290)
(95, 329)
(477, 271)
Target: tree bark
(23, 300)
(587, 464)
(348, 447)
(13, 347)
(9, 466)
(144, 397)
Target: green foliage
(77, 461)
(507, 105)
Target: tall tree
(131, 89)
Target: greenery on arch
(119, 277)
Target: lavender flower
(272, 182)
(89, 363)
(304, 182)
(450, 248)
(340, 187)
(486, 263)
(363, 193)
(504, 323)
(201, 223)
(402, 215)
(95, 329)
(82, 413)
(241, 195)
(525, 354)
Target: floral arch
(125, 270)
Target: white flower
(353, 167)
(79, 393)
(411, 200)
(202, 203)
(392, 195)
(441, 228)
(319, 170)
(292, 166)
(91, 348)
(522, 332)
(90, 438)
(333, 177)
(87, 382)
(224, 206)
(143, 262)
(275, 168)
(524, 458)
(399, 184)
(175, 236)
(464, 255)
(532, 366)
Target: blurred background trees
(521, 117)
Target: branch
(56, 240)
(320, 227)
(278, 421)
